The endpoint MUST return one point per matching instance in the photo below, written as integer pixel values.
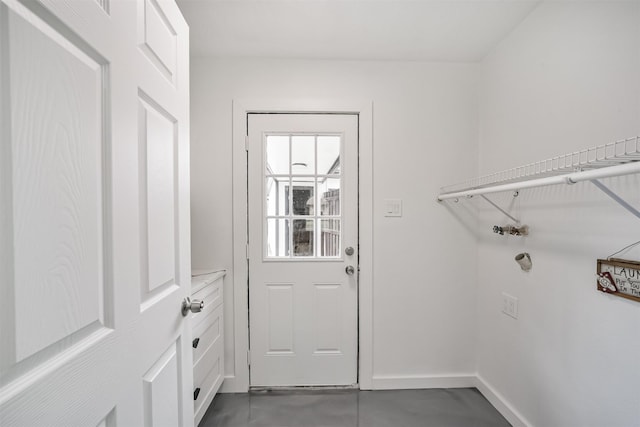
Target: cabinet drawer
(208, 333)
(212, 297)
(207, 376)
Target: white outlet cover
(510, 305)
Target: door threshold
(264, 389)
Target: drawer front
(212, 297)
(208, 387)
(207, 376)
(207, 333)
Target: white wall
(567, 78)
(424, 263)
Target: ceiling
(413, 30)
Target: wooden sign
(619, 277)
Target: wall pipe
(570, 178)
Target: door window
(302, 196)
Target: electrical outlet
(510, 305)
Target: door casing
(238, 381)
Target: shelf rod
(615, 197)
(499, 208)
(570, 178)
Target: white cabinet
(208, 340)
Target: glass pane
(277, 193)
(277, 237)
(303, 155)
(303, 237)
(328, 155)
(303, 195)
(330, 238)
(277, 155)
(329, 196)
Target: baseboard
(399, 382)
(500, 403)
(383, 382)
(231, 384)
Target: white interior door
(303, 217)
(94, 217)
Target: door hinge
(247, 250)
(248, 357)
(246, 143)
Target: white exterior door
(94, 217)
(303, 217)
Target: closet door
(94, 215)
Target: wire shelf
(612, 154)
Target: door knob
(350, 270)
(194, 306)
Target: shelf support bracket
(500, 209)
(615, 197)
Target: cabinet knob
(196, 342)
(196, 392)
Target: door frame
(238, 380)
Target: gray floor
(351, 408)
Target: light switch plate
(392, 207)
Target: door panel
(57, 194)
(94, 219)
(158, 176)
(302, 213)
(161, 391)
(327, 312)
(157, 38)
(280, 321)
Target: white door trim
(238, 381)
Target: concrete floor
(352, 408)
